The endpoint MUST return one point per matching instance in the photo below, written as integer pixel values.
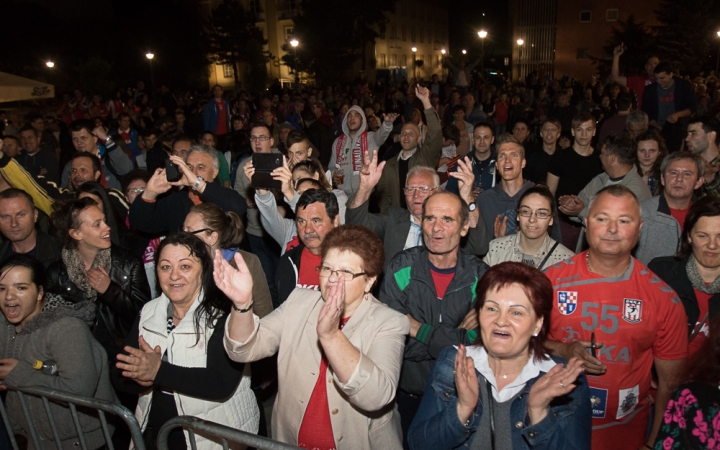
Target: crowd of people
(400, 265)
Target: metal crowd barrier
(73, 401)
(226, 434)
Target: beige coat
(507, 248)
(362, 411)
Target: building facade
(561, 37)
(422, 24)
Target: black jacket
(408, 288)
(286, 275)
(684, 99)
(118, 307)
(672, 272)
(167, 214)
(47, 250)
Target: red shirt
(307, 276)
(501, 112)
(442, 279)
(316, 428)
(221, 127)
(679, 215)
(637, 317)
(638, 84)
(702, 335)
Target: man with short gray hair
(400, 228)
(663, 216)
(160, 211)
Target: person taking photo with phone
(161, 210)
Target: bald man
(416, 151)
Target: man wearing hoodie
(498, 206)
(416, 151)
(348, 149)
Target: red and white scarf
(361, 146)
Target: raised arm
(615, 70)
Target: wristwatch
(199, 180)
(472, 206)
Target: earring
(535, 335)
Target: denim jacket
(436, 425)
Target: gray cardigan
(660, 233)
(60, 333)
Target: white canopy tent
(14, 88)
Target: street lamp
(717, 64)
(414, 50)
(150, 56)
(483, 35)
(520, 43)
(50, 64)
(464, 52)
(295, 44)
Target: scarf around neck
(696, 279)
(76, 269)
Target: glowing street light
(483, 35)
(520, 42)
(442, 51)
(717, 65)
(150, 56)
(295, 44)
(464, 52)
(414, 50)
(50, 64)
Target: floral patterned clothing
(692, 419)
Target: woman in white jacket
(175, 358)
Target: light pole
(520, 43)
(150, 56)
(717, 64)
(414, 50)
(483, 35)
(442, 64)
(295, 44)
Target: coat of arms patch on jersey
(567, 302)
(632, 310)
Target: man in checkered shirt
(636, 319)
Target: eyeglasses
(259, 138)
(137, 190)
(527, 212)
(196, 232)
(424, 190)
(325, 272)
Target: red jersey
(637, 317)
(307, 277)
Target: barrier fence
(47, 395)
(226, 434)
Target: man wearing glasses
(434, 285)
(261, 243)
(400, 228)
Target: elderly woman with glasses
(532, 244)
(340, 349)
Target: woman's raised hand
(330, 314)
(237, 283)
(466, 383)
(557, 382)
(140, 364)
